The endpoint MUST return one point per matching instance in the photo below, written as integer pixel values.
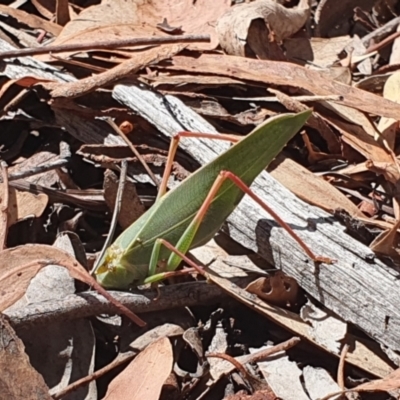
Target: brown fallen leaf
(136, 62)
(315, 121)
(18, 379)
(357, 137)
(31, 19)
(144, 377)
(131, 206)
(234, 28)
(387, 242)
(323, 52)
(388, 126)
(390, 171)
(24, 204)
(332, 16)
(389, 382)
(279, 289)
(310, 188)
(287, 74)
(116, 19)
(20, 264)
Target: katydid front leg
(186, 240)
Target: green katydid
(190, 214)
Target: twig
(88, 304)
(382, 31)
(62, 161)
(4, 205)
(263, 354)
(120, 360)
(134, 150)
(117, 208)
(340, 375)
(59, 196)
(258, 356)
(39, 169)
(236, 364)
(126, 68)
(382, 44)
(111, 44)
(271, 99)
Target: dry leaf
(24, 204)
(278, 289)
(388, 126)
(326, 328)
(144, 377)
(286, 74)
(131, 206)
(117, 19)
(18, 379)
(237, 37)
(389, 382)
(395, 54)
(323, 52)
(283, 377)
(357, 137)
(387, 242)
(390, 171)
(138, 61)
(310, 188)
(332, 17)
(30, 20)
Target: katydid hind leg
(239, 183)
(185, 242)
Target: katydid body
(171, 217)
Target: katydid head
(112, 273)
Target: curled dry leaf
(144, 377)
(278, 289)
(131, 206)
(18, 379)
(387, 242)
(117, 19)
(390, 171)
(20, 264)
(388, 126)
(388, 383)
(237, 36)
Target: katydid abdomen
(127, 260)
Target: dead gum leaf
(234, 27)
(144, 377)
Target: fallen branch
(109, 44)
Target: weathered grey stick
(89, 304)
